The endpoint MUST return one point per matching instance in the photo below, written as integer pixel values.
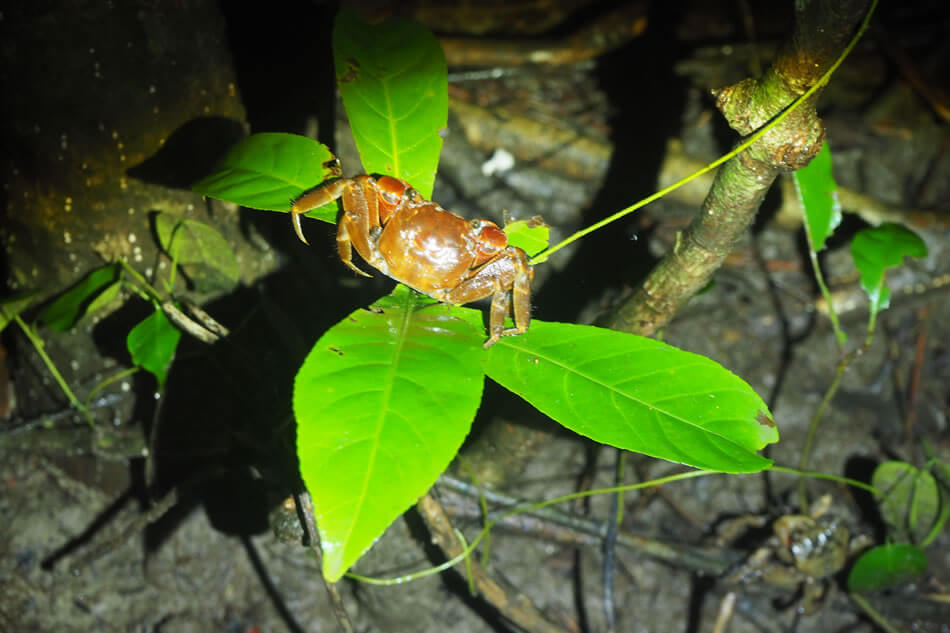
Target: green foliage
(818, 194)
(914, 507)
(637, 394)
(531, 235)
(266, 171)
(152, 344)
(886, 566)
(394, 83)
(200, 250)
(63, 313)
(383, 402)
(387, 395)
(875, 250)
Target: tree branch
(822, 30)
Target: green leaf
(941, 474)
(531, 235)
(886, 566)
(69, 307)
(152, 345)
(912, 505)
(818, 195)
(875, 250)
(109, 294)
(266, 171)
(383, 402)
(637, 394)
(200, 250)
(393, 80)
(12, 306)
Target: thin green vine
(39, 346)
(467, 550)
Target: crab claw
(295, 221)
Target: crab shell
(417, 242)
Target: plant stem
(840, 337)
(149, 290)
(38, 345)
(813, 429)
(843, 365)
(847, 481)
(877, 617)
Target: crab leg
(316, 197)
(344, 247)
(500, 302)
(520, 296)
(507, 279)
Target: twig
(510, 603)
(18, 425)
(914, 388)
(305, 508)
(726, 609)
(207, 331)
(610, 30)
(614, 516)
(699, 559)
(139, 523)
(823, 29)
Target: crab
(804, 553)
(433, 251)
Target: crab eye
(491, 239)
(391, 190)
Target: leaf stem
(817, 475)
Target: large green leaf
(152, 344)
(393, 80)
(69, 307)
(875, 250)
(200, 250)
(266, 171)
(818, 194)
(383, 402)
(886, 566)
(637, 394)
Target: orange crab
(418, 243)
